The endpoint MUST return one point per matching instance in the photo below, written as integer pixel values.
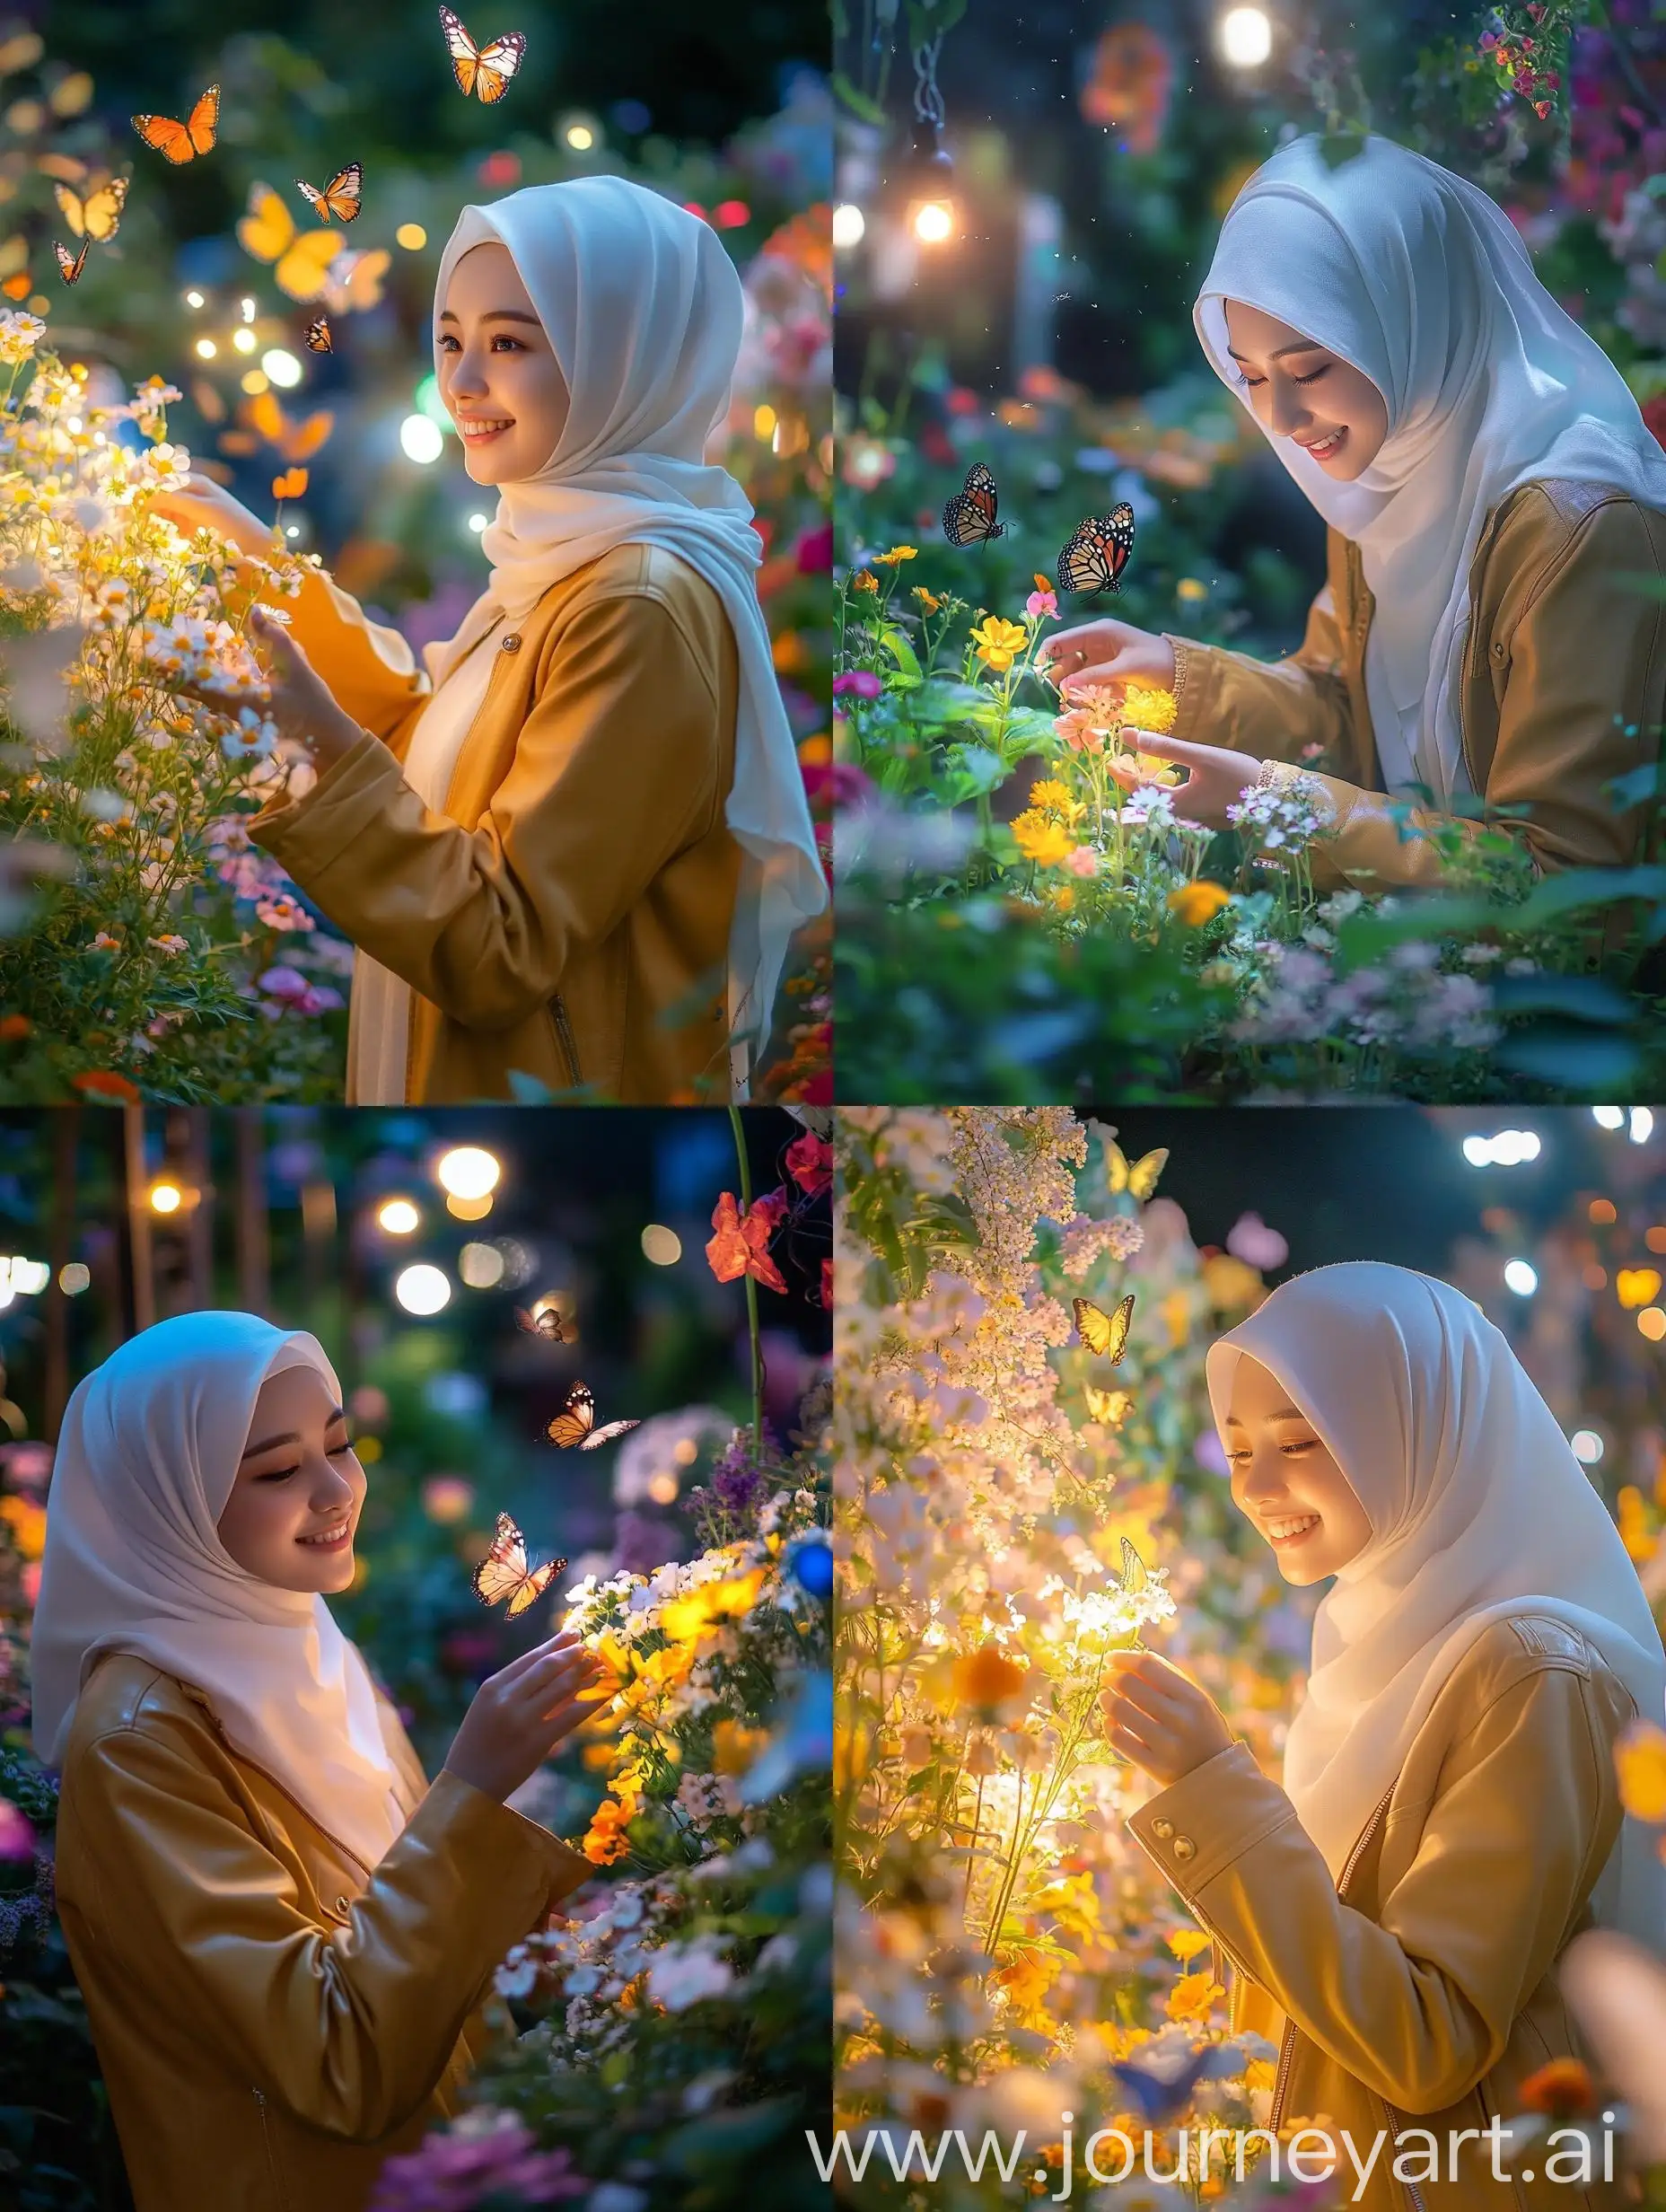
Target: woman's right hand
(1107, 652)
(519, 1716)
(201, 503)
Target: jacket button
(1498, 648)
(1184, 1847)
(342, 1906)
(719, 1011)
(512, 643)
(1162, 1829)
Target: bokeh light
(422, 441)
(1246, 37)
(281, 366)
(468, 1171)
(661, 1245)
(397, 1216)
(480, 1266)
(423, 1289)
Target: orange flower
(734, 1747)
(14, 1028)
(101, 1082)
(606, 1839)
(1193, 1996)
(1562, 2089)
(290, 485)
(987, 1677)
(741, 1246)
(1197, 903)
(1640, 1760)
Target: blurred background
(405, 1243)
(1027, 199)
(219, 265)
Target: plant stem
(739, 1126)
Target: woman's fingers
(565, 1641)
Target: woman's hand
(201, 503)
(1216, 777)
(296, 696)
(519, 1716)
(1158, 1718)
(1106, 652)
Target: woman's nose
(1288, 413)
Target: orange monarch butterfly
(484, 69)
(546, 1322)
(1097, 555)
(576, 1424)
(969, 519)
(70, 269)
(504, 1573)
(338, 202)
(319, 337)
(183, 141)
(1104, 1334)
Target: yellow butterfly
(504, 1572)
(303, 257)
(1136, 1575)
(98, 214)
(1111, 1406)
(1104, 1334)
(1141, 1178)
(353, 280)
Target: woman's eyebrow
(496, 314)
(290, 1435)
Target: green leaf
(896, 645)
(1577, 888)
(865, 110)
(981, 769)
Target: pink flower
(279, 911)
(17, 1837)
(1041, 602)
(861, 681)
(1251, 1241)
(814, 551)
(1083, 861)
(810, 1163)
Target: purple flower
(641, 1544)
(283, 983)
(487, 2154)
(17, 1836)
(861, 681)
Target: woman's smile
(1289, 1529)
(480, 430)
(1327, 447)
(330, 1539)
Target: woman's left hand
(1158, 1718)
(296, 697)
(1216, 777)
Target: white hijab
(1421, 282)
(645, 313)
(145, 1462)
(1477, 1509)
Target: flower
(1041, 603)
(487, 2154)
(987, 1678)
(1147, 706)
(999, 643)
(810, 1163)
(930, 604)
(865, 580)
(19, 336)
(898, 554)
(741, 1246)
(1561, 2090)
(1193, 1996)
(14, 1028)
(104, 1084)
(1197, 903)
(1190, 591)
(684, 1974)
(17, 1836)
(861, 683)
(1054, 798)
(1043, 841)
(1640, 1760)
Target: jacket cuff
(307, 835)
(507, 1847)
(1192, 677)
(1195, 1828)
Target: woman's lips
(1296, 1529)
(1327, 447)
(332, 1540)
(473, 436)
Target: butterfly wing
(1097, 552)
(534, 1587)
(497, 65)
(546, 1323)
(355, 280)
(338, 202)
(970, 517)
(68, 269)
(182, 141)
(1111, 1408)
(73, 207)
(319, 340)
(464, 53)
(304, 271)
(1143, 1176)
(606, 1434)
(102, 210)
(1134, 1575)
(504, 1568)
(300, 441)
(1104, 1334)
(575, 1422)
(205, 120)
(268, 229)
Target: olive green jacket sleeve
(617, 768)
(349, 2030)
(1562, 694)
(1417, 2004)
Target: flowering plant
(152, 962)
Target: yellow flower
(898, 553)
(1149, 707)
(1062, 897)
(987, 1677)
(1640, 1761)
(1186, 1943)
(1260, 2073)
(1191, 591)
(1193, 1996)
(1230, 1282)
(851, 1746)
(684, 1618)
(1640, 1541)
(865, 580)
(928, 599)
(28, 1524)
(1195, 903)
(999, 643)
(734, 1747)
(1055, 798)
(1044, 841)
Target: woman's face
(1286, 1481)
(1304, 391)
(498, 374)
(295, 1504)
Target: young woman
(577, 847)
(1450, 1817)
(1490, 645)
(283, 1934)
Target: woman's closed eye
(1313, 376)
(282, 1474)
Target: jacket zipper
(1286, 2045)
(279, 2198)
(563, 1032)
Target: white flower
(685, 1974)
(20, 334)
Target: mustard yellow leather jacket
(568, 914)
(273, 2019)
(1420, 1991)
(1563, 691)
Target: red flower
(100, 1083)
(814, 551)
(826, 1285)
(810, 1163)
(13, 1027)
(1654, 415)
(742, 1245)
